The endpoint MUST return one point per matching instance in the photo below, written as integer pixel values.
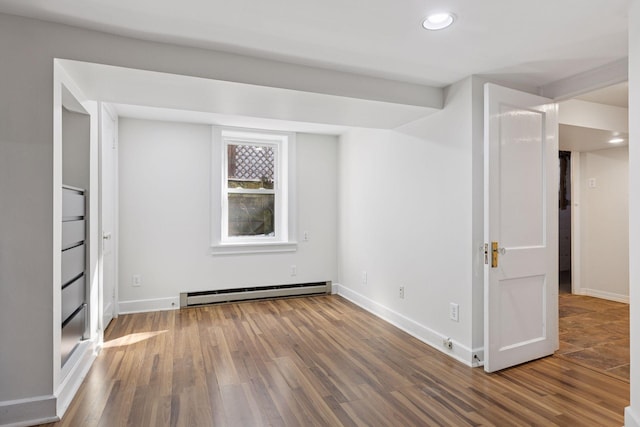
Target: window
(253, 197)
(250, 189)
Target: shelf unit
(73, 304)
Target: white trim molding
(335, 287)
(631, 419)
(428, 336)
(81, 361)
(604, 295)
(253, 248)
(576, 226)
(28, 412)
(146, 305)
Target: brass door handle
(494, 254)
(495, 250)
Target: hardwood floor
(318, 361)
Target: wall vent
(190, 299)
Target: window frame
(284, 190)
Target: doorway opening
(564, 224)
(593, 231)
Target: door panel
(521, 216)
(522, 177)
(108, 202)
(521, 299)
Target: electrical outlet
(454, 311)
(477, 361)
(294, 270)
(136, 280)
(447, 343)
(364, 277)
(401, 292)
(305, 236)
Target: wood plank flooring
(318, 361)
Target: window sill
(253, 248)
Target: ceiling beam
(607, 75)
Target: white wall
(406, 220)
(164, 217)
(75, 149)
(26, 241)
(632, 414)
(604, 223)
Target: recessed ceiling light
(616, 140)
(438, 21)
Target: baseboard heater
(189, 299)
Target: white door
(521, 223)
(108, 188)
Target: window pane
(251, 215)
(250, 166)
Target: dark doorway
(564, 223)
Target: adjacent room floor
(320, 361)
(595, 333)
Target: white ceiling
(616, 95)
(533, 42)
(578, 138)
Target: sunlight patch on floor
(131, 339)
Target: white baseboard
(631, 417)
(145, 305)
(428, 336)
(28, 412)
(72, 380)
(604, 295)
(48, 409)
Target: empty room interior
(282, 214)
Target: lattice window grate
(251, 162)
